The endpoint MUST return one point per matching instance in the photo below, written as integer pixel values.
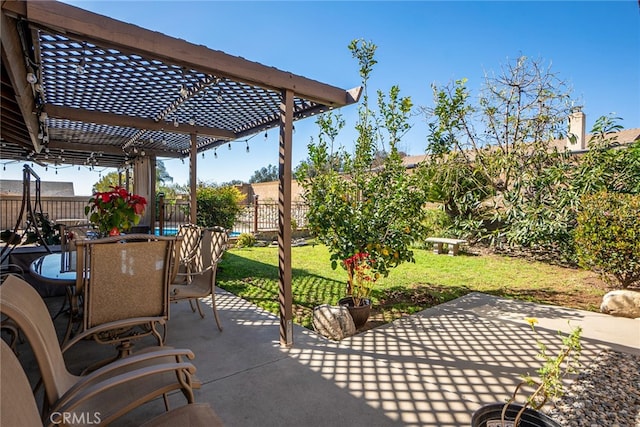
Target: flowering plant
(549, 383)
(115, 210)
(361, 277)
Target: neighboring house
(13, 187)
(577, 125)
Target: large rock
(334, 322)
(621, 303)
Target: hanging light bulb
(78, 167)
(219, 98)
(183, 91)
(215, 153)
(203, 155)
(4, 167)
(247, 146)
(266, 135)
(175, 121)
(229, 146)
(192, 121)
(80, 67)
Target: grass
(252, 273)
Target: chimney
(576, 140)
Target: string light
(247, 146)
(203, 155)
(215, 153)
(266, 135)
(229, 146)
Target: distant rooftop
(10, 187)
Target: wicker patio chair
(201, 280)
(114, 389)
(191, 236)
(124, 284)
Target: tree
(218, 206)
(112, 179)
(162, 175)
(518, 195)
(265, 174)
(362, 206)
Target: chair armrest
(112, 325)
(131, 363)
(99, 398)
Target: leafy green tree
(112, 179)
(510, 180)
(218, 206)
(265, 174)
(367, 208)
(162, 175)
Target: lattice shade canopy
(80, 88)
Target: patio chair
(191, 236)
(18, 406)
(201, 280)
(8, 325)
(114, 389)
(124, 284)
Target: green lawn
(252, 273)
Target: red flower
(114, 231)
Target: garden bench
(438, 243)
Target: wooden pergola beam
(14, 60)
(97, 117)
(106, 31)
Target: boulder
(621, 303)
(333, 322)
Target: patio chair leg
(215, 310)
(193, 309)
(199, 308)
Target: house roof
(624, 137)
(82, 88)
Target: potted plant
(115, 211)
(548, 385)
(361, 278)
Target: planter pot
(490, 416)
(359, 314)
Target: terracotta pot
(359, 314)
(490, 416)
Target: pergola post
(284, 219)
(193, 183)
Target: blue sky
(593, 46)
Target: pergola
(83, 89)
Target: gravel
(605, 394)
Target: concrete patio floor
(430, 369)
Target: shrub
(246, 240)
(608, 236)
(218, 206)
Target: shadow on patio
(431, 369)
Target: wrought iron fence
(254, 218)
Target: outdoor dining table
(57, 269)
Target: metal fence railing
(254, 218)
